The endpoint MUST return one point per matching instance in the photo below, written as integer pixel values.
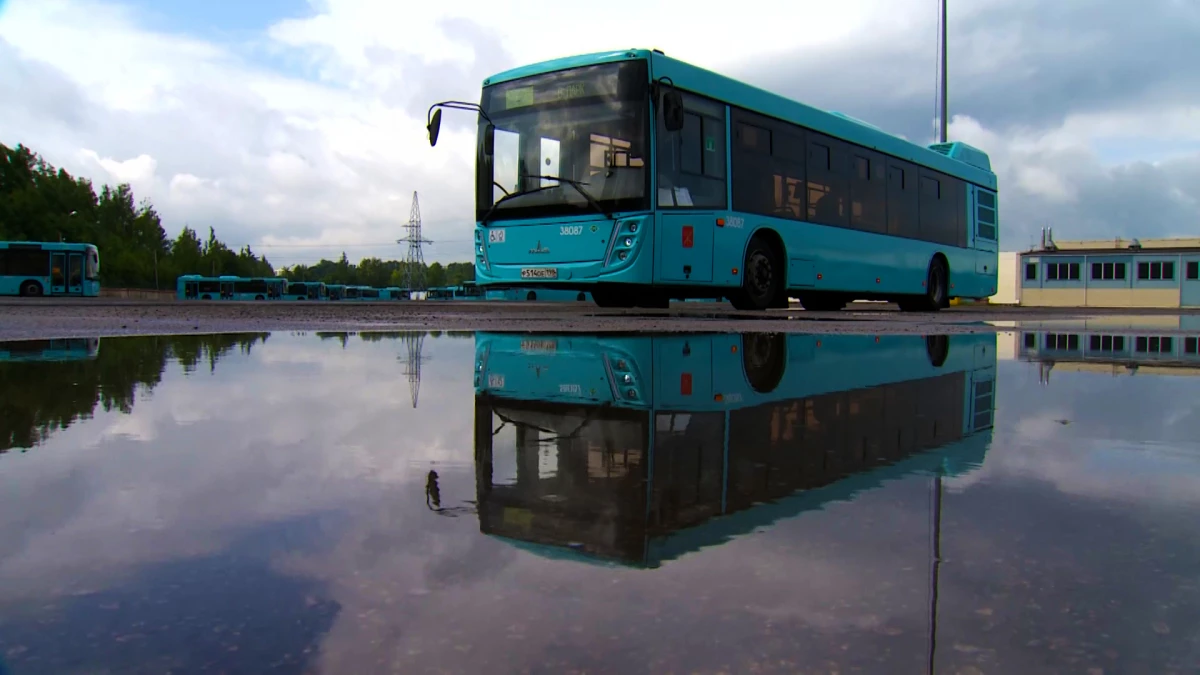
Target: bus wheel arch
(531, 296)
(941, 264)
(31, 288)
(260, 297)
(764, 360)
(937, 288)
(764, 272)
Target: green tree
(41, 203)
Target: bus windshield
(586, 125)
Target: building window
(1154, 271)
(1190, 346)
(1107, 343)
(1030, 271)
(1062, 341)
(1193, 270)
(1108, 271)
(1062, 271)
(1153, 345)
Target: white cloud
(321, 141)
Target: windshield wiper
(506, 197)
(578, 185)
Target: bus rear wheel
(762, 277)
(937, 294)
(31, 289)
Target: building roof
(1119, 244)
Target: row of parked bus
(197, 287)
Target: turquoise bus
(640, 179)
(653, 446)
(306, 290)
(197, 287)
(60, 349)
(464, 291)
(39, 268)
(372, 294)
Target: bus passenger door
(685, 246)
(75, 273)
(58, 273)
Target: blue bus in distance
(39, 268)
(306, 290)
(655, 446)
(197, 287)
(640, 179)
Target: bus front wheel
(31, 289)
(764, 359)
(762, 277)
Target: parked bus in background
(37, 268)
(677, 442)
(305, 290)
(465, 291)
(640, 179)
(336, 291)
(197, 287)
(62, 349)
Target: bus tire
(937, 295)
(762, 277)
(582, 297)
(259, 297)
(764, 360)
(531, 296)
(938, 349)
(31, 289)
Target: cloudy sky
(297, 125)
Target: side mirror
(672, 108)
(489, 140)
(434, 126)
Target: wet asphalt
(60, 318)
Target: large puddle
(684, 503)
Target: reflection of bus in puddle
(639, 449)
(63, 349)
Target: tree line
(39, 202)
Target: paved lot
(46, 318)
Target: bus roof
(955, 158)
(50, 245)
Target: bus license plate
(539, 345)
(539, 272)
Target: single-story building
(1150, 273)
